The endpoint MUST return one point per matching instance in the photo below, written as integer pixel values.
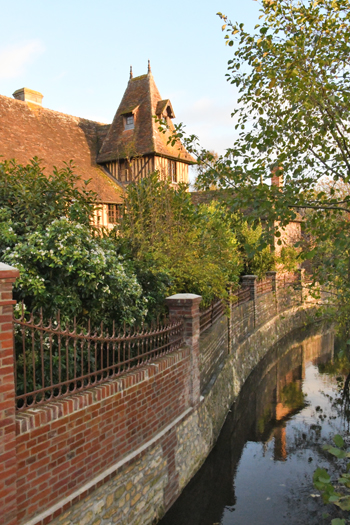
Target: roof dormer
(164, 109)
(135, 128)
(129, 117)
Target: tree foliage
(46, 232)
(256, 261)
(195, 248)
(292, 119)
(33, 199)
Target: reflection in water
(260, 471)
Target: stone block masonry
(123, 451)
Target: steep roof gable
(28, 130)
(141, 99)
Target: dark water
(260, 471)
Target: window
(129, 121)
(114, 213)
(172, 170)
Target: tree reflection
(339, 368)
(270, 399)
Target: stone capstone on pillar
(249, 281)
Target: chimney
(277, 177)
(28, 95)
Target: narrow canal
(260, 471)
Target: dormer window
(129, 121)
(164, 109)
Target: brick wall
(242, 322)
(63, 445)
(8, 489)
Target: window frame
(131, 125)
(114, 213)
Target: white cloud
(14, 58)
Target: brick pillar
(301, 280)
(231, 287)
(273, 277)
(186, 306)
(8, 490)
(249, 281)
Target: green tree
(33, 199)
(256, 261)
(195, 248)
(292, 116)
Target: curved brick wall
(122, 452)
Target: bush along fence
(91, 422)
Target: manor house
(110, 155)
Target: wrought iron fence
(286, 280)
(211, 314)
(54, 361)
(264, 286)
(240, 296)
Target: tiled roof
(141, 98)
(28, 130)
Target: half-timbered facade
(109, 155)
(134, 145)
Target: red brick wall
(7, 401)
(64, 445)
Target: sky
(77, 53)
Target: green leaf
(337, 452)
(338, 521)
(339, 441)
(319, 485)
(325, 480)
(321, 473)
(343, 481)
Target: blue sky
(78, 53)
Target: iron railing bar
(170, 347)
(93, 338)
